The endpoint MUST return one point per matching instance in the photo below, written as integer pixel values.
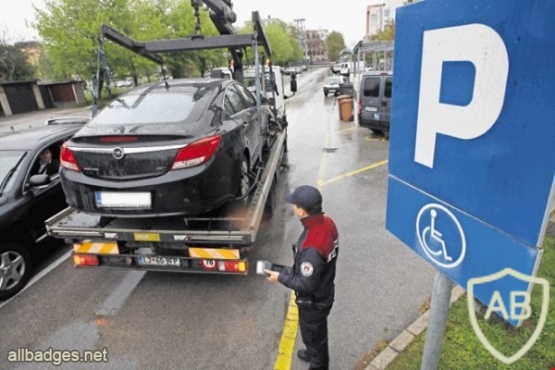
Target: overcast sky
(345, 16)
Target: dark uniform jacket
(315, 253)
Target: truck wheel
(15, 269)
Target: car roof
(179, 84)
(32, 138)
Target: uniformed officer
(313, 273)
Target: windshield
(267, 80)
(9, 161)
(335, 80)
(187, 104)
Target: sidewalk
(27, 120)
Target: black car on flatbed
(28, 196)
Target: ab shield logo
(519, 309)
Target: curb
(402, 341)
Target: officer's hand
(273, 276)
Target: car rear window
(388, 87)
(371, 87)
(154, 107)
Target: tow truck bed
(212, 244)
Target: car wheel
(245, 183)
(325, 93)
(15, 269)
(376, 132)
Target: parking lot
(163, 320)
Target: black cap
(305, 196)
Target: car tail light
(85, 260)
(118, 139)
(359, 105)
(232, 266)
(68, 160)
(196, 153)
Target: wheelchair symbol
(439, 248)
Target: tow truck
(217, 243)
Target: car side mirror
(39, 180)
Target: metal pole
(441, 296)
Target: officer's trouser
(314, 330)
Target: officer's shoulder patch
(307, 269)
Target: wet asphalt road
(181, 321)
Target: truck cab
(274, 94)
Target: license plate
(158, 261)
(107, 199)
(370, 109)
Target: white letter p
(484, 48)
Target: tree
(334, 44)
(283, 42)
(13, 62)
(70, 31)
(387, 34)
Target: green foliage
(334, 43)
(283, 43)
(13, 64)
(387, 34)
(70, 30)
(463, 350)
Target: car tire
(376, 132)
(325, 93)
(245, 182)
(15, 269)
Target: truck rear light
(196, 153)
(232, 266)
(85, 260)
(68, 160)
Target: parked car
(333, 84)
(30, 193)
(182, 149)
(374, 111)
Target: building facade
(315, 43)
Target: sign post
(471, 160)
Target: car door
(387, 83)
(246, 114)
(370, 98)
(43, 201)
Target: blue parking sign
(472, 149)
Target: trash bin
(345, 108)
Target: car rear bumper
(188, 192)
(367, 120)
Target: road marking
(288, 336)
(347, 129)
(374, 138)
(352, 173)
(41, 274)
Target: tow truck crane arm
(221, 13)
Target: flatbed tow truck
(216, 243)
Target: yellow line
(345, 130)
(369, 167)
(288, 336)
